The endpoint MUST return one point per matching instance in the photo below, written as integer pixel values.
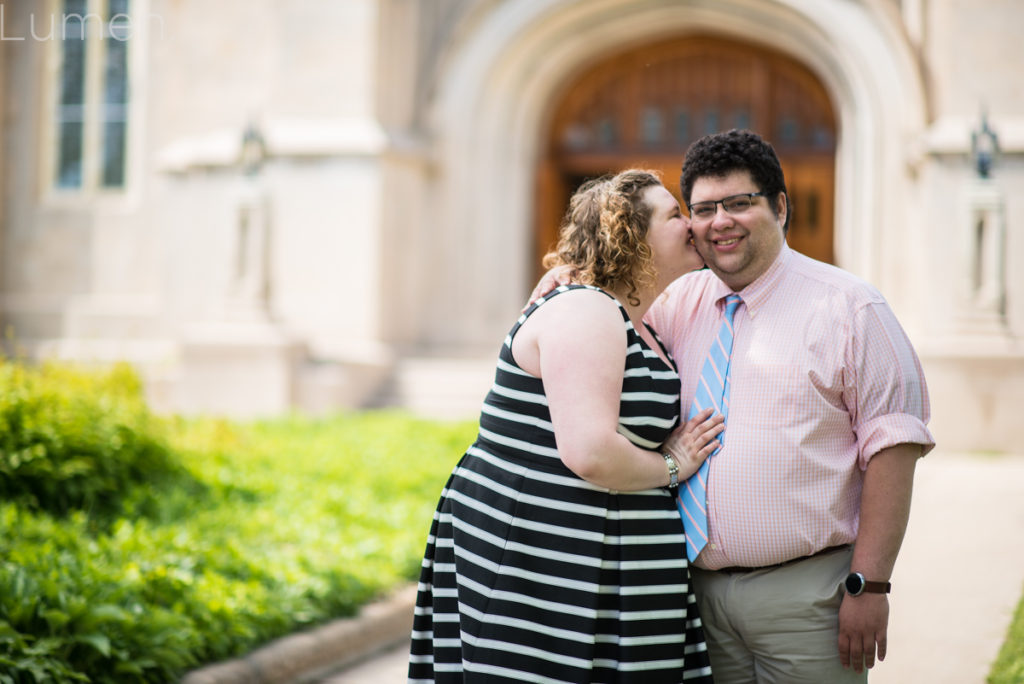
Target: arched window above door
(669, 94)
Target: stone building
(322, 204)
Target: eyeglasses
(733, 204)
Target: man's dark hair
(719, 154)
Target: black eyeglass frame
(714, 204)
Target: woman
(557, 552)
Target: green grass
(352, 493)
(1008, 667)
(200, 539)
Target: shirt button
(714, 546)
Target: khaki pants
(777, 624)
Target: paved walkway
(955, 587)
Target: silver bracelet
(673, 471)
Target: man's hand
(559, 275)
(863, 621)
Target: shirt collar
(756, 293)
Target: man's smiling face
(738, 248)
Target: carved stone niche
(982, 305)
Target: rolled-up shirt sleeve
(885, 389)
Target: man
(826, 419)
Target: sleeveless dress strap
(550, 295)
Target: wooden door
(811, 184)
(643, 108)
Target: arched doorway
(645, 106)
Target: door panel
(811, 184)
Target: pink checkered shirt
(823, 377)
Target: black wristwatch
(857, 585)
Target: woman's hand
(559, 275)
(692, 443)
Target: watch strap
(877, 587)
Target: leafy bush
(75, 440)
(275, 526)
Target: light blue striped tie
(712, 391)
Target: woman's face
(669, 236)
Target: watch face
(854, 584)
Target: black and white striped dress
(533, 574)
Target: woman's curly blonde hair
(603, 237)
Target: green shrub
(274, 526)
(75, 440)
(72, 605)
(1008, 667)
